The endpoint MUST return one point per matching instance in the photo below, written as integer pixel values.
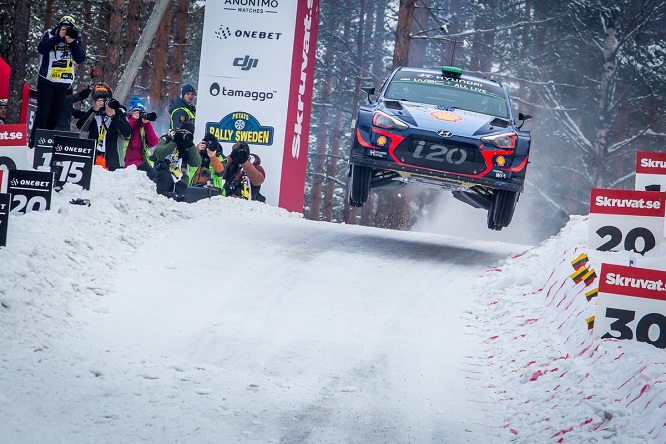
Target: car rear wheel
(501, 210)
(359, 185)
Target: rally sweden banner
(255, 85)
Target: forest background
(592, 73)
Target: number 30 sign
(631, 304)
(626, 220)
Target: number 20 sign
(631, 304)
(626, 220)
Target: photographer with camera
(174, 155)
(244, 174)
(59, 52)
(143, 138)
(210, 172)
(106, 123)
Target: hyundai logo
(444, 133)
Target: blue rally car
(443, 128)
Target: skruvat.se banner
(255, 85)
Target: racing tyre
(501, 209)
(359, 186)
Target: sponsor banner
(44, 147)
(4, 217)
(650, 171)
(73, 160)
(245, 82)
(30, 190)
(631, 304)
(626, 220)
(13, 135)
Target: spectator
(59, 52)
(174, 154)
(244, 174)
(106, 123)
(3, 110)
(183, 110)
(64, 124)
(143, 138)
(211, 170)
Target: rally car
(444, 128)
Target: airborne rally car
(443, 128)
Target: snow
(140, 319)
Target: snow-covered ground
(140, 319)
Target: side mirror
(370, 91)
(523, 117)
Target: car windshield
(449, 94)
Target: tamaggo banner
(255, 85)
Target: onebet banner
(255, 85)
(626, 220)
(650, 171)
(631, 304)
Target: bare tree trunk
(48, 15)
(402, 39)
(114, 42)
(81, 69)
(134, 25)
(17, 60)
(332, 167)
(319, 164)
(157, 86)
(417, 47)
(179, 27)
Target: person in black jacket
(59, 52)
(106, 122)
(182, 110)
(64, 124)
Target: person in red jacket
(143, 138)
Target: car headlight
(505, 141)
(383, 120)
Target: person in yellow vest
(211, 171)
(107, 123)
(182, 110)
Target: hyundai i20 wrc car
(443, 128)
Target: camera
(112, 103)
(148, 116)
(72, 33)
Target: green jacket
(166, 149)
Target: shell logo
(446, 116)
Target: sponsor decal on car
(446, 116)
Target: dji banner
(30, 190)
(631, 304)
(255, 85)
(4, 217)
(44, 140)
(626, 220)
(73, 160)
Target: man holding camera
(59, 52)
(174, 155)
(210, 172)
(107, 123)
(143, 138)
(244, 174)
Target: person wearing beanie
(3, 111)
(142, 140)
(183, 109)
(106, 123)
(59, 52)
(174, 155)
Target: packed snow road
(228, 321)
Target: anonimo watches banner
(255, 85)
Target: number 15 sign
(626, 220)
(631, 304)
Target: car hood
(458, 121)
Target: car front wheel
(359, 185)
(502, 207)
